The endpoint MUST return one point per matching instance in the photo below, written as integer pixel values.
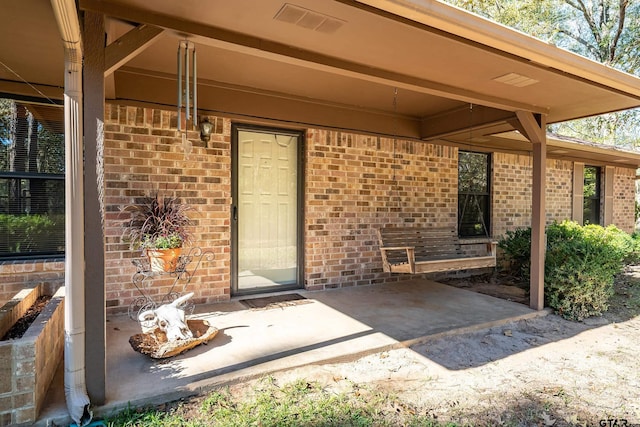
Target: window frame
(596, 200)
(485, 195)
(54, 210)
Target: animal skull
(169, 318)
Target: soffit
(30, 46)
(428, 58)
(358, 66)
(557, 148)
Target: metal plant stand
(143, 279)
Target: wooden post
(95, 297)
(534, 128)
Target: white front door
(265, 210)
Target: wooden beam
(110, 80)
(94, 240)
(467, 118)
(128, 46)
(242, 102)
(289, 53)
(32, 91)
(534, 128)
(531, 126)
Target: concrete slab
(332, 325)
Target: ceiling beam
(140, 86)
(532, 126)
(128, 46)
(32, 90)
(231, 40)
(462, 119)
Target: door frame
(300, 199)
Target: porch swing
(420, 249)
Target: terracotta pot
(163, 259)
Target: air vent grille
(308, 19)
(516, 80)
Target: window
(591, 213)
(31, 180)
(473, 194)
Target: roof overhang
(561, 148)
(338, 66)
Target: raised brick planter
(28, 364)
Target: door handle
(235, 213)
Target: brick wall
(559, 194)
(16, 275)
(511, 192)
(623, 198)
(512, 180)
(28, 364)
(354, 184)
(145, 154)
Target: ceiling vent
(308, 19)
(516, 80)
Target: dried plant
(158, 223)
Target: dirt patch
(545, 371)
(20, 327)
(498, 284)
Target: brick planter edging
(28, 364)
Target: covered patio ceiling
(325, 63)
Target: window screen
(31, 180)
(591, 214)
(473, 194)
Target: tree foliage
(602, 30)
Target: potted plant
(159, 226)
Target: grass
(299, 403)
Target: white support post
(74, 352)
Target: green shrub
(517, 251)
(580, 264)
(24, 234)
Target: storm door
(266, 210)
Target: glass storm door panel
(266, 211)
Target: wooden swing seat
(416, 250)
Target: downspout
(74, 318)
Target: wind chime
(187, 85)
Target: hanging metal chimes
(187, 84)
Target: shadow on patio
(333, 325)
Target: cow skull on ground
(168, 318)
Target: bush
(517, 251)
(25, 234)
(580, 264)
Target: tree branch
(621, 17)
(592, 49)
(588, 17)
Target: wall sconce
(206, 127)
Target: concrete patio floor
(329, 326)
